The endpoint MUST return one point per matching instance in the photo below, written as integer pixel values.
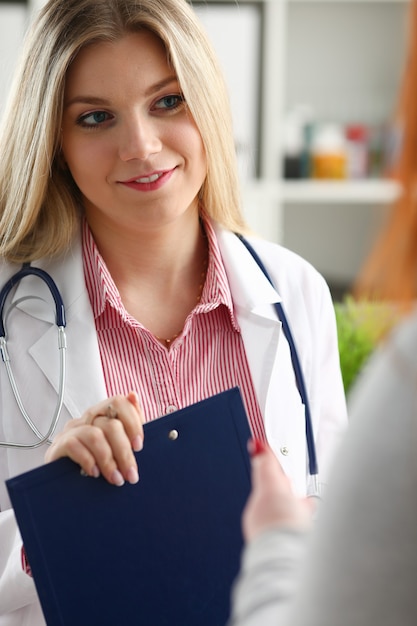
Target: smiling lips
(149, 183)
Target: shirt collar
(102, 290)
(99, 282)
(216, 290)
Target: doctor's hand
(102, 440)
(272, 502)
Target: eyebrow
(96, 101)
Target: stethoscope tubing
(28, 270)
(299, 376)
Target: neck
(160, 278)
(166, 249)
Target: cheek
(197, 151)
(189, 141)
(85, 160)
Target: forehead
(136, 58)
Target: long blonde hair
(39, 201)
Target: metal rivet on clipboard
(173, 434)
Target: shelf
(341, 192)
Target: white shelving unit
(344, 58)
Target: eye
(172, 102)
(93, 119)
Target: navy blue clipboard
(162, 552)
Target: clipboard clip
(173, 434)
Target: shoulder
(404, 339)
(371, 500)
(292, 274)
(394, 360)
(382, 402)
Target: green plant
(361, 326)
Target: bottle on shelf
(357, 151)
(292, 148)
(329, 152)
(298, 126)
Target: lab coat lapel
(253, 298)
(266, 348)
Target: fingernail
(137, 444)
(132, 475)
(95, 472)
(256, 446)
(117, 479)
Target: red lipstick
(149, 182)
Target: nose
(140, 138)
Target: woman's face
(128, 139)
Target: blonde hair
(39, 201)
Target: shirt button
(284, 450)
(171, 408)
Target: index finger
(266, 469)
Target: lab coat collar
(254, 298)
(250, 288)
(68, 274)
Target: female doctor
(118, 178)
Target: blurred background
(313, 87)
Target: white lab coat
(33, 346)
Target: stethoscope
(28, 270)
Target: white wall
(12, 26)
(236, 37)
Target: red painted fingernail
(256, 446)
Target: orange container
(328, 153)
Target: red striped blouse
(208, 356)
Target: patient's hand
(272, 502)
